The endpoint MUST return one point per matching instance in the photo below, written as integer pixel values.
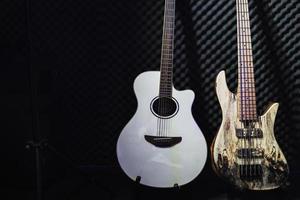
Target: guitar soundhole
(164, 107)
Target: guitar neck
(246, 81)
(166, 68)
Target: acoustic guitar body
(161, 151)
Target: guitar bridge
(250, 172)
(163, 141)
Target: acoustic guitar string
(162, 71)
(173, 6)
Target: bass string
(241, 91)
(246, 84)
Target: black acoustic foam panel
(88, 53)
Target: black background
(83, 56)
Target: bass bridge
(250, 155)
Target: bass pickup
(246, 133)
(249, 153)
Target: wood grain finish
(226, 144)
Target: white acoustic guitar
(162, 146)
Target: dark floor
(92, 182)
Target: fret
(166, 87)
(167, 75)
(168, 39)
(169, 28)
(167, 63)
(243, 84)
(166, 79)
(244, 101)
(246, 76)
(249, 49)
(247, 96)
(167, 57)
(167, 67)
(167, 54)
(165, 90)
(247, 71)
(243, 12)
(244, 25)
(254, 118)
(172, 23)
(169, 19)
(251, 107)
(248, 107)
(244, 19)
(245, 93)
(246, 56)
(247, 100)
(169, 11)
(242, 63)
(249, 113)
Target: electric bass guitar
(162, 146)
(245, 150)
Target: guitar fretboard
(166, 68)
(246, 81)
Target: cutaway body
(161, 152)
(250, 160)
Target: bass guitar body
(161, 146)
(246, 153)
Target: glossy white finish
(161, 167)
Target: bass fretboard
(246, 81)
